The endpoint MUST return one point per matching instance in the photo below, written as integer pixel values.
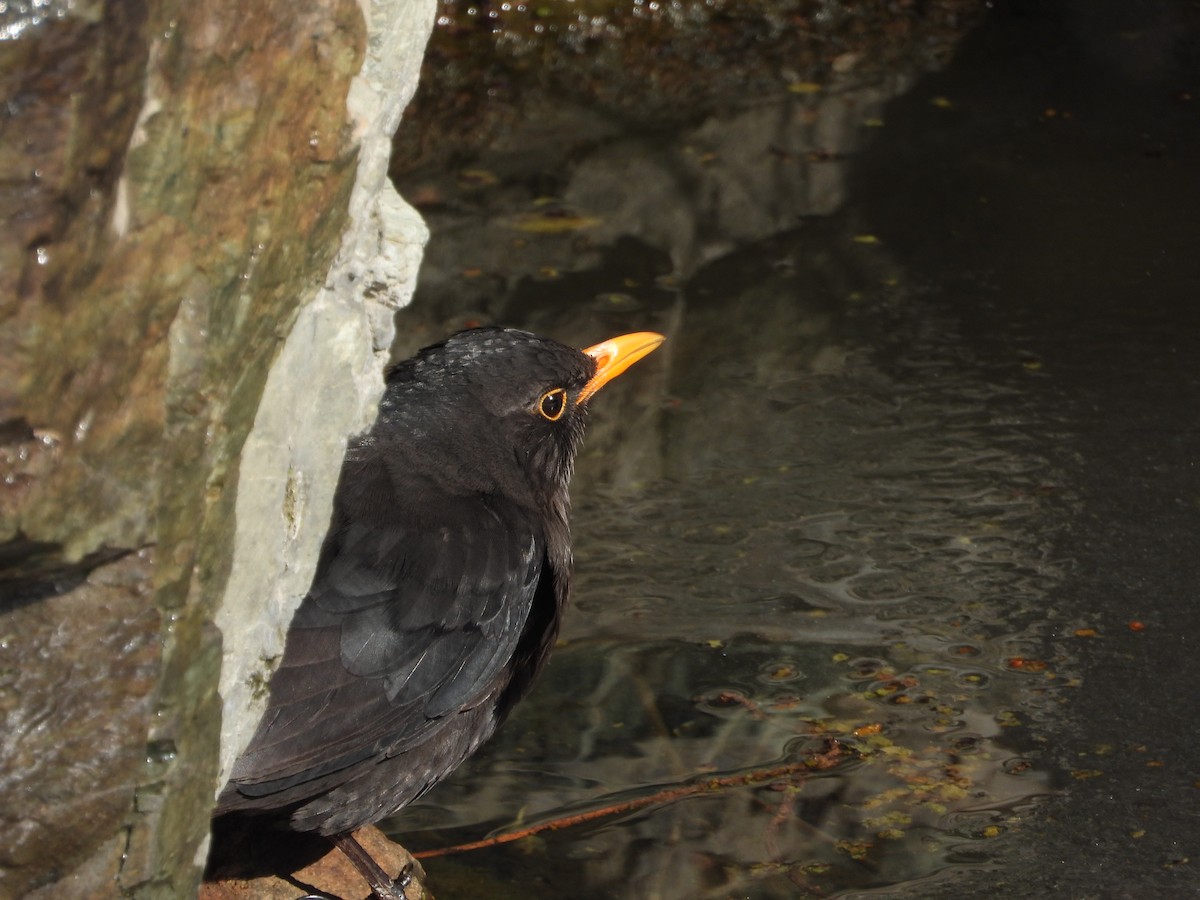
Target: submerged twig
(818, 762)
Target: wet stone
(283, 864)
(78, 677)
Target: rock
(199, 256)
(78, 673)
(324, 870)
(324, 385)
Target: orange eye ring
(553, 404)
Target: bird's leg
(381, 882)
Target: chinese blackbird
(439, 587)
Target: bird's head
(503, 406)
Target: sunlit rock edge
(290, 461)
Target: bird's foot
(394, 889)
(383, 886)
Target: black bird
(439, 587)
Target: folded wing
(404, 627)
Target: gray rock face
(199, 256)
(323, 387)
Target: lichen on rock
(198, 259)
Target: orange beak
(616, 355)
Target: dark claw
(404, 879)
(395, 889)
(382, 884)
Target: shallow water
(914, 476)
(841, 541)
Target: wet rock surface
(183, 187)
(629, 64)
(78, 678)
(589, 127)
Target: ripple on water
(866, 573)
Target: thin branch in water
(816, 763)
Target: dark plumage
(440, 584)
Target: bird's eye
(553, 404)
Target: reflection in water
(821, 524)
(841, 541)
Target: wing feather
(404, 626)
